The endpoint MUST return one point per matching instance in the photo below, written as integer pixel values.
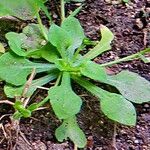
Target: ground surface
(130, 25)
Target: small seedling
(54, 54)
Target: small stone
(146, 106)
(108, 1)
(136, 141)
(55, 16)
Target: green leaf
(31, 38)
(117, 108)
(143, 58)
(125, 1)
(76, 11)
(15, 91)
(64, 101)
(93, 71)
(17, 115)
(131, 86)
(34, 37)
(71, 129)
(32, 107)
(21, 109)
(104, 44)
(15, 70)
(24, 9)
(59, 38)
(48, 52)
(114, 106)
(73, 27)
(44, 8)
(15, 42)
(66, 38)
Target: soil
(130, 24)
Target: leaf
(93, 71)
(15, 70)
(30, 39)
(117, 108)
(48, 52)
(32, 107)
(73, 27)
(76, 11)
(114, 106)
(64, 101)
(71, 129)
(144, 59)
(35, 38)
(21, 109)
(17, 115)
(59, 38)
(125, 1)
(15, 91)
(131, 86)
(44, 8)
(24, 9)
(66, 38)
(12, 91)
(103, 45)
(15, 42)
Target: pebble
(136, 141)
(146, 106)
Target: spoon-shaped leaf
(23, 9)
(64, 101)
(131, 86)
(114, 106)
(103, 45)
(71, 129)
(15, 91)
(93, 71)
(14, 69)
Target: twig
(145, 37)
(75, 147)
(28, 83)
(62, 5)
(6, 102)
(43, 88)
(26, 101)
(41, 108)
(4, 116)
(4, 132)
(25, 139)
(114, 137)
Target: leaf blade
(93, 71)
(114, 106)
(64, 101)
(103, 45)
(131, 86)
(15, 70)
(70, 128)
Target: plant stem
(42, 102)
(41, 26)
(6, 102)
(77, 52)
(114, 137)
(62, 5)
(58, 80)
(128, 58)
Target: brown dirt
(130, 24)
